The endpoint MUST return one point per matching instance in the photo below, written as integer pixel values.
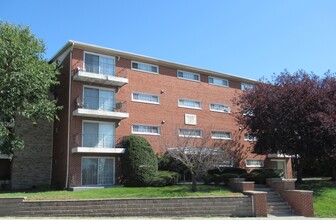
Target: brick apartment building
(108, 94)
(31, 167)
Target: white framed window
(254, 163)
(145, 67)
(248, 137)
(188, 103)
(100, 64)
(188, 75)
(98, 171)
(246, 86)
(98, 134)
(225, 135)
(187, 132)
(145, 129)
(218, 81)
(219, 108)
(97, 98)
(248, 112)
(145, 97)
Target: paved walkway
(182, 218)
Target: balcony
(106, 108)
(96, 143)
(119, 79)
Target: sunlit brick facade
(108, 94)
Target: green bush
(165, 178)
(223, 178)
(219, 178)
(232, 170)
(168, 163)
(259, 176)
(139, 163)
(208, 179)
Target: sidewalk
(180, 218)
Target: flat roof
(137, 57)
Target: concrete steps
(275, 205)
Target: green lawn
(324, 197)
(126, 192)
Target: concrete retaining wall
(240, 206)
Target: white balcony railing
(95, 143)
(118, 79)
(101, 108)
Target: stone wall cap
(238, 195)
(10, 198)
(289, 180)
(303, 191)
(254, 192)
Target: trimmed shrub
(231, 170)
(165, 178)
(223, 178)
(139, 162)
(208, 179)
(168, 163)
(259, 176)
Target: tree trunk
(333, 171)
(298, 170)
(193, 185)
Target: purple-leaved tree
(294, 114)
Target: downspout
(69, 117)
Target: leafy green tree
(26, 79)
(140, 164)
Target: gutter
(69, 116)
(147, 59)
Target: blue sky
(248, 38)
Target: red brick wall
(240, 185)
(300, 201)
(170, 89)
(61, 127)
(259, 203)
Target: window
(187, 103)
(254, 163)
(145, 129)
(98, 99)
(219, 108)
(249, 137)
(225, 135)
(99, 64)
(248, 112)
(246, 86)
(188, 75)
(144, 97)
(98, 134)
(186, 132)
(97, 171)
(145, 67)
(218, 81)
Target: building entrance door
(280, 166)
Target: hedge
(139, 162)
